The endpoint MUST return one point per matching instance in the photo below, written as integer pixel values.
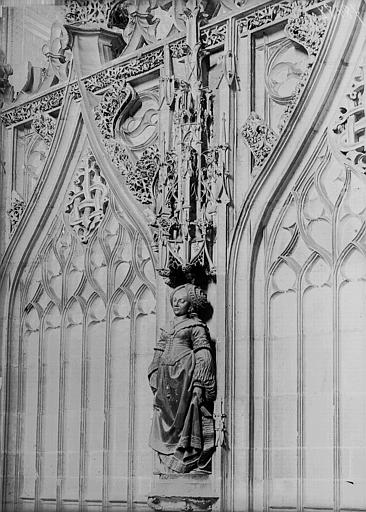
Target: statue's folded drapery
(182, 429)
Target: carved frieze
(259, 137)
(133, 67)
(181, 503)
(273, 12)
(87, 199)
(214, 35)
(15, 212)
(88, 11)
(116, 105)
(28, 110)
(179, 49)
(44, 125)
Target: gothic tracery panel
(88, 321)
(313, 359)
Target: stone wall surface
(216, 147)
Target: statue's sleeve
(204, 371)
(154, 365)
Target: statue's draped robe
(182, 430)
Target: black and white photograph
(182, 255)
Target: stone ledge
(181, 503)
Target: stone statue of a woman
(182, 378)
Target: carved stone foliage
(15, 212)
(6, 90)
(307, 29)
(274, 12)
(87, 200)
(213, 36)
(111, 115)
(179, 49)
(180, 503)
(348, 131)
(149, 21)
(140, 179)
(133, 67)
(44, 125)
(259, 137)
(23, 112)
(88, 11)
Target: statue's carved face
(180, 302)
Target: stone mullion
(41, 380)
(20, 406)
(107, 378)
(107, 406)
(336, 345)
(131, 409)
(61, 414)
(225, 135)
(62, 363)
(83, 411)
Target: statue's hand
(198, 392)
